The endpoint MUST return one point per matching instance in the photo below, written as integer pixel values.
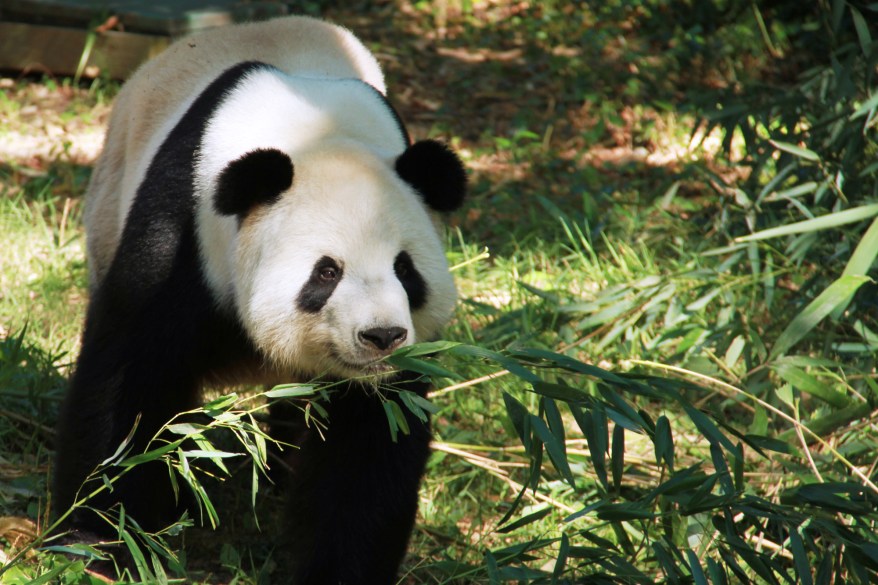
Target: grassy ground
(676, 402)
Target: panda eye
(327, 273)
(324, 278)
(327, 270)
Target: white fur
(300, 113)
(345, 203)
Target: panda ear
(435, 172)
(257, 178)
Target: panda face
(340, 269)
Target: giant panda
(259, 214)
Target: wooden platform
(108, 37)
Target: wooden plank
(153, 17)
(58, 50)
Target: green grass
(44, 268)
(681, 405)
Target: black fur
(435, 172)
(361, 490)
(259, 177)
(415, 287)
(153, 334)
(316, 292)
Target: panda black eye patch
(415, 287)
(325, 276)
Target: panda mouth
(370, 367)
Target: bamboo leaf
(560, 392)
(797, 191)
(392, 424)
(617, 457)
(212, 454)
(800, 558)
(525, 520)
(703, 301)
(860, 262)
(807, 383)
(733, 353)
(708, 428)
(843, 497)
(568, 363)
(151, 455)
(593, 424)
(862, 29)
(610, 313)
(291, 391)
(797, 151)
(835, 294)
(867, 334)
(717, 574)
(667, 563)
(420, 366)
(624, 511)
(554, 447)
(622, 413)
(136, 556)
(418, 405)
(426, 348)
(185, 428)
(722, 469)
(514, 367)
(52, 575)
(402, 422)
(518, 416)
(825, 572)
(221, 403)
(561, 560)
(823, 222)
(413, 408)
(664, 442)
(866, 107)
(832, 421)
(120, 450)
(555, 422)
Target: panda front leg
(354, 494)
(120, 380)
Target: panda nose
(383, 338)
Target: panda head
(337, 261)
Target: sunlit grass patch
(42, 276)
